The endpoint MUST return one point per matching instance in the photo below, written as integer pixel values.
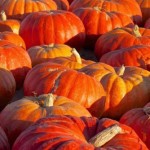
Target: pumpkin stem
(76, 55)
(121, 70)
(51, 45)
(147, 111)
(3, 15)
(106, 135)
(136, 31)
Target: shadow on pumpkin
(4, 27)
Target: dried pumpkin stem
(106, 135)
(76, 55)
(3, 16)
(121, 70)
(136, 31)
(51, 45)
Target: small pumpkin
(7, 87)
(27, 110)
(8, 24)
(68, 132)
(138, 119)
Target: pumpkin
(98, 21)
(42, 53)
(62, 4)
(24, 112)
(19, 9)
(145, 8)
(55, 26)
(138, 55)
(126, 89)
(14, 59)
(128, 7)
(121, 38)
(97, 70)
(4, 144)
(138, 119)
(68, 132)
(13, 38)
(7, 87)
(53, 78)
(73, 62)
(8, 24)
(147, 24)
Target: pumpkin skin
(126, 89)
(121, 38)
(13, 38)
(66, 82)
(137, 55)
(69, 29)
(24, 112)
(62, 4)
(19, 9)
(4, 144)
(147, 24)
(97, 22)
(11, 25)
(68, 132)
(19, 61)
(128, 7)
(138, 119)
(7, 87)
(42, 53)
(145, 8)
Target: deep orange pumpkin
(7, 87)
(98, 21)
(139, 120)
(121, 38)
(53, 78)
(55, 26)
(68, 133)
(24, 112)
(14, 59)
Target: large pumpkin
(138, 55)
(53, 78)
(4, 144)
(138, 119)
(85, 133)
(15, 59)
(128, 7)
(24, 112)
(18, 9)
(7, 87)
(121, 38)
(98, 21)
(13, 38)
(55, 26)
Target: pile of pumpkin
(74, 74)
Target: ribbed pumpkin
(53, 78)
(7, 87)
(98, 21)
(24, 112)
(121, 38)
(145, 8)
(13, 38)
(4, 144)
(42, 53)
(85, 133)
(62, 4)
(138, 119)
(128, 7)
(8, 24)
(55, 26)
(138, 55)
(14, 59)
(18, 9)
(126, 89)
